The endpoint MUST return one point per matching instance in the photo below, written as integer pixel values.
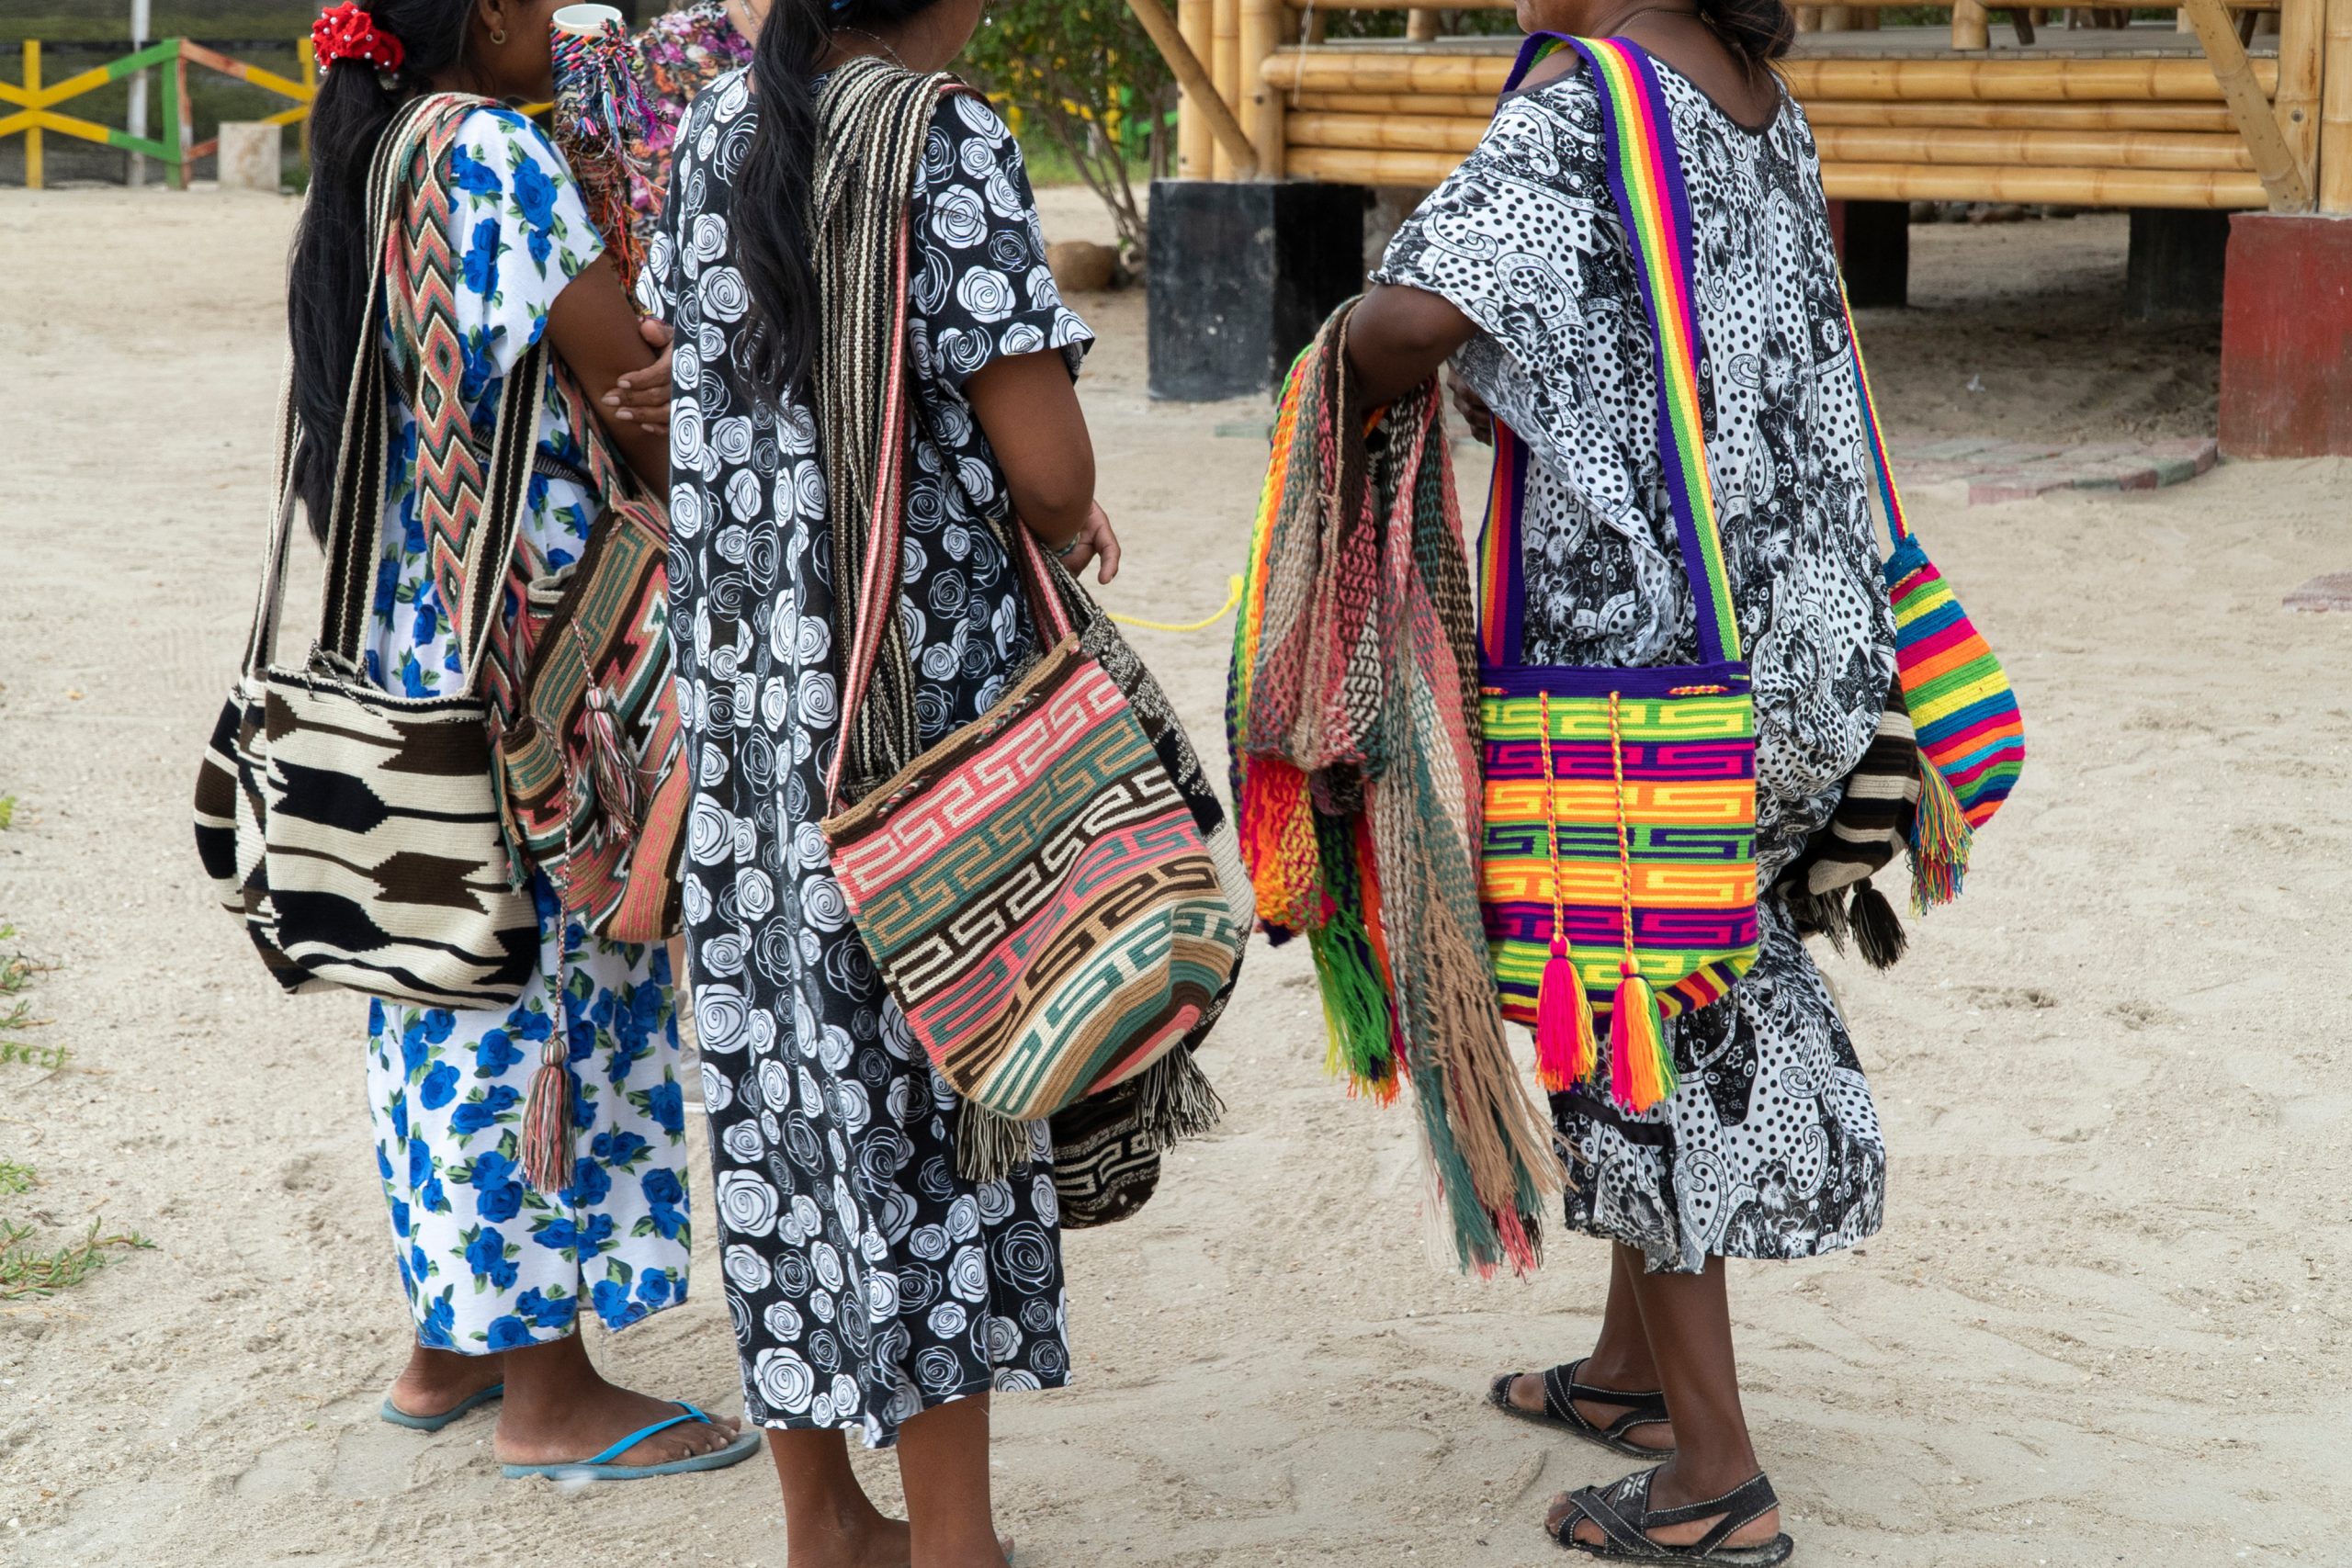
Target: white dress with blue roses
(487, 1261)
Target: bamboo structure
(1196, 142)
(1207, 108)
(1225, 72)
(2136, 115)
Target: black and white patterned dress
(1771, 1146)
(867, 1280)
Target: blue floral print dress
(488, 1262)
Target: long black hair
(1759, 31)
(770, 214)
(327, 282)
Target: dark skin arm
(592, 327)
(1029, 410)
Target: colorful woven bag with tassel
(1960, 699)
(1618, 865)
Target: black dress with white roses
(1771, 1148)
(869, 1282)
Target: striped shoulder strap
(1645, 178)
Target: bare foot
(1527, 1394)
(877, 1543)
(571, 1425)
(436, 1382)
(1668, 1492)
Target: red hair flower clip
(347, 32)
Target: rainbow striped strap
(1898, 527)
(1646, 178)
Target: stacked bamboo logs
(2097, 130)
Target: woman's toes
(1527, 1391)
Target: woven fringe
(988, 1147)
(1175, 1100)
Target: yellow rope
(1232, 597)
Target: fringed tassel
(1175, 1100)
(1641, 1070)
(1940, 839)
(609, 766)
(989, 1145)
(1877, 932)
(1565, 1048)
(546, 1123)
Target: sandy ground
(2106, 1323)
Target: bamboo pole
(1261, 106)
(1225, 70)
(2282, 175)
(1339, 69)
(1420, 25)
(1216, 115)
(2196, 118)
(34, 138)
(1859, 144)
(2207, 190)
(1196, 142)
(2336, 110)
(1972, 26)
(2054, 149)
(1439, 103)
(2301, 26)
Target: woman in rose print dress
(498, 1277)
(875, 1289)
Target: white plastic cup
(588, 20)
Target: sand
(2106, 1323)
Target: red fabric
(347, 32)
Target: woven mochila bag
(1050, 893)
(1617, 871)
(355, 831)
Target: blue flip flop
(599, 1466)
(399, 1417)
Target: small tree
(1085, 73)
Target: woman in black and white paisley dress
(874, 1289)
(1517, 269)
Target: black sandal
(1561, 1391)
(1622, 1511)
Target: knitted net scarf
(1351, 714)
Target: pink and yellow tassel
(1940, 839)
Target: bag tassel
(1175, 1100)
(1565, 1047)
(1940, 839)
(1877, 932)
(546, 1123)
(609, 765)
(1641, 1070)
(989, 1145)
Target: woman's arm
(592, 326)
(1029, 410)
(1399, 336)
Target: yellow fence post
(32, 131)
(2336, 110)
(308, 52)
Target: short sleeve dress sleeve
(981, 289)
(522, 234)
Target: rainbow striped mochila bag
(1617, 869)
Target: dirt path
(2106, 1323)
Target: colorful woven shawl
(1350, 712)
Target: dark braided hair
(327, 282)
(1758, 32)
(770, 214)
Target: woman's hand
(1094, 542)
(1473, 409)
(643, 397)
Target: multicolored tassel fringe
(1641, 1067)
(601, 126)
(1940, 839)
(546, 1122)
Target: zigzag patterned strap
(1646, 178)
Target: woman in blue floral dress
(498, 1275)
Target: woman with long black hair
(1517, 269)
(880, 1283)
(492, 249)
